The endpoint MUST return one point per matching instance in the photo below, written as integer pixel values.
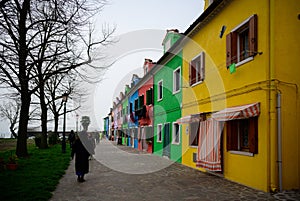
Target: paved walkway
(123, 173)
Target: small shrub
(2, 165)
(52, 139)
(38, 140)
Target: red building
(145, 109)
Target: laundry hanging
(209, 149)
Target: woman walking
(81, 156)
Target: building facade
(167, 101)
(242, 100)
(225, 95)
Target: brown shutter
(234, 47)
(232, 138)
(228, 50)
(231, 48)
(190, 74)
(253, 35)
(253, 135)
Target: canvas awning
(238, 112)
(190, 119)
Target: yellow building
(241, 80)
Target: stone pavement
(124, 173)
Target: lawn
(36, 177)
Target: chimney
(148, 64)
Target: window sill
(193, 146)
(158, 100)
(176, 92)
(242, 153)
(176, 143)
(158, 141)
(244, 61)
(196, 83)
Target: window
(242, 135)
(149, 96)
(160, 90)
(194, 133)
(176, 80)
(197, 69)
(159, 132)
(176, 133)
(140, 102)
(136, 104)
(241, 42)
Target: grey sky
(141, 26)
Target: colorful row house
(132, 118)
(240, 103)
(125, 113)
(167, 100)
(223, 98)
(144, 109)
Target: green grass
(36, 176)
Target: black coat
(81, 157)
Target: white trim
(174, 79)
(244, 61)
(242, 24)
(201, 68)
(158, 98)
(244, 153)
(159, 125)
(196, 83)
(173, 134)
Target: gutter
(279, 147)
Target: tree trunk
(21, 150)
(56, 119)
(44, 143)
(12, 131)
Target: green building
(167, 100)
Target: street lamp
(63, 144)
(77, 123)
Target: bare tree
(40, 39)
(10, 111)
(58, 85)
(2, 3)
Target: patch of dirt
(7, 144)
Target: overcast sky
(140, 29)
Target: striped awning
(239, 112)
(190, 119)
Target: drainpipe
(279, 148)
(272, 103)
